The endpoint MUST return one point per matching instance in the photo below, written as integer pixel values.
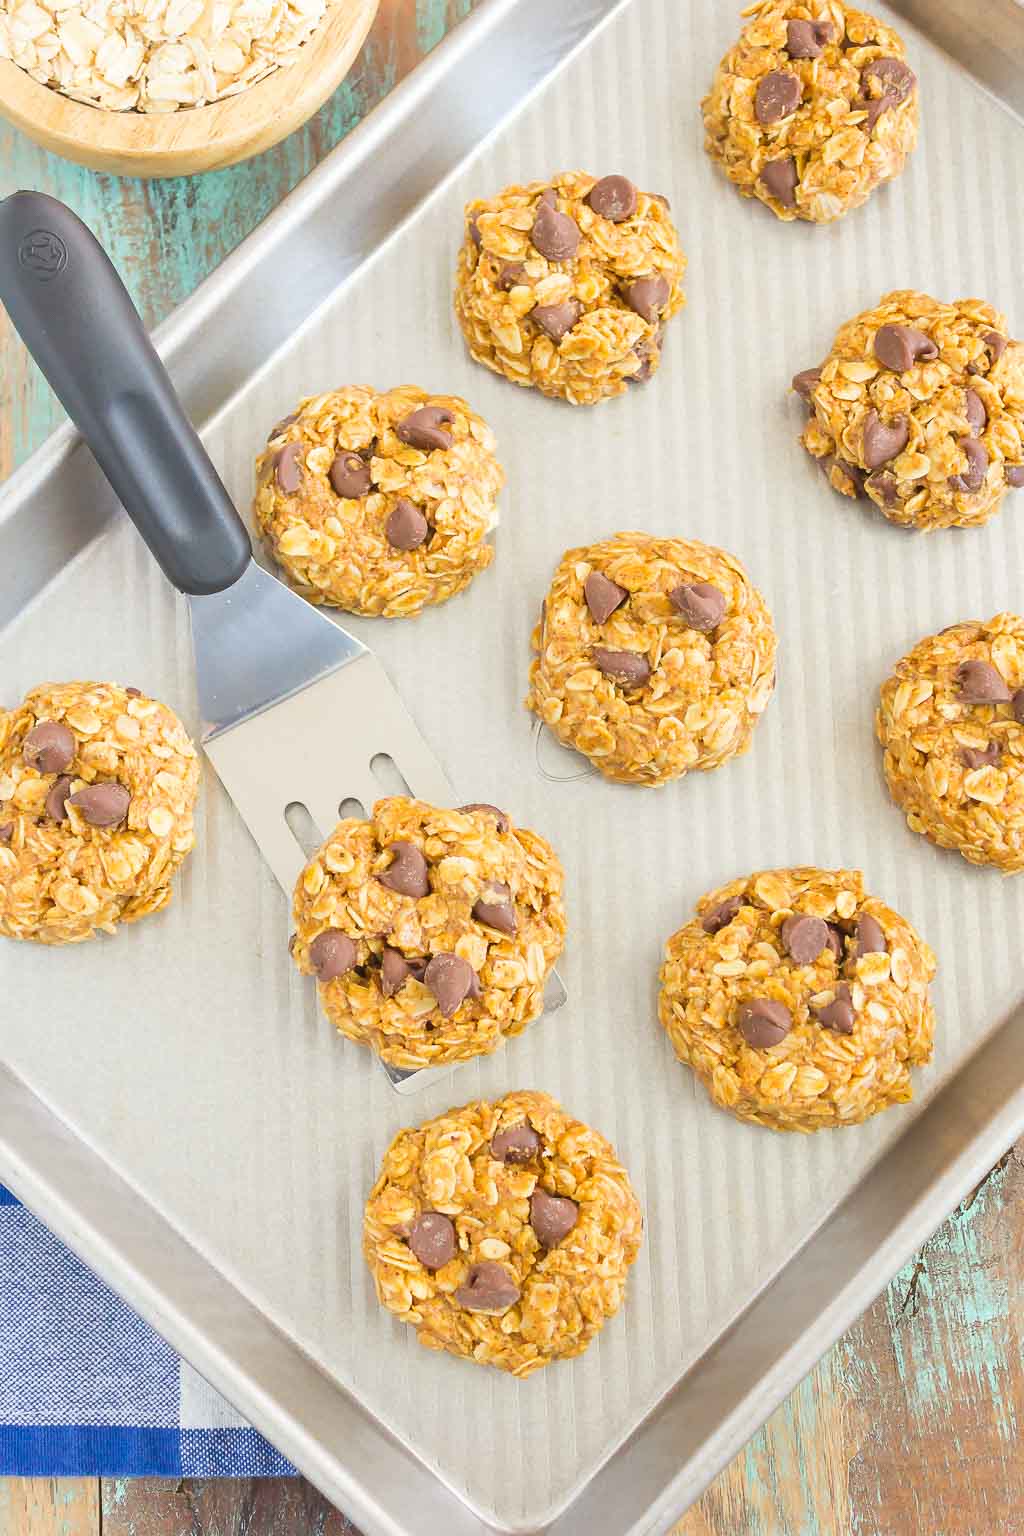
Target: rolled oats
(580, 314)
(445, 926)
(366, 512)
(920, 406)
(503, 1232)
(95, 817)
(812, 108)
(792, 1043)
(672, 675)
(951, 722)
(154, 55)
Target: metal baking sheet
(176, 1108)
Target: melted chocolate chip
(780, 179)
(494, 908)
(552, 1217)
(499, 816)
(331, 954)
(883, 440)
(647, 296)
(806, 39)
(450, 979)
(408, 871)
(102, 805)
(603, 596)
(972, 477)
(978, 682)
(987, 757)
(424, 428)
(763, 1022)
(350, 476)
(432, 1239)
(899, 347)
(974, 410)
(838, 1015)
(614, 198)
(556, 320)
(870, 940)
(777, 96)
(805, 382)
(49, 747)
(804, 937)
(288, 468)
(406, 528)
(512, 275)
(554, 234)
(700, 605)
(487, 1288)
(56, 800)
(516, 1144)
(722, 915)
(623, 667)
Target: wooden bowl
(194, 138)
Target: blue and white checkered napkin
(88, 1389)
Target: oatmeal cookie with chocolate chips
(653, 656)
(503, 1232)
(812, 109)
(920, 406)
(567, 285)
(379, 503)
(431, 932)
(799, 1001)
(97, 789)
(951, 723)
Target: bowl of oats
(172, 87)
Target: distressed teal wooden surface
(909, 1426)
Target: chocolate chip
(331, 954)
(134, 693)
(603, 596)
(407, 872)
(805, 937)
(899, 347)
(996, 344)
(433, 1240)
(1015, 475)
(777, 96)
(973, 477)
(974, 410)
(288, 468)
(55, 801)
(1018, 706)
(972, 757)
(552, 1217)
(7, 832)
(350, 476)
(556, 320)
(980, 683)
(424, 428)
(614, 198)
(516, 1144)
(645, 350)
(763, 1022)
(554, 234)
(836, 940)
(883, 440)
(623, 667)
(722, 915)
(885, 486)
(494, 908)
(512, 275)
(500, 817)
(282, 426)
(806, 39)
(102, 805)
(870, 940)
(474, 232)
(779, 179)
(838, 1015)
(853, 473)
(49, 747)
(804, 382)
(700, 605)
(487, 1288)
(896, 81)
(395, 970)
(549, 197)
(647, 296)
(450, 978)
(406, 527)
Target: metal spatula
(293, 708)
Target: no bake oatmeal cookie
(812, 108)
(567, 285)
(800, 1001)
(503, 1232)
(97, 789)
(920, 406)
(379, 503)
(431, 932)
(653, 656)
(951, 722)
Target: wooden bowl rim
(282, 95)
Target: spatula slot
(388, 774)
(302, 827)
(351, 807)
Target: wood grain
(909, 1427)
(200, 139)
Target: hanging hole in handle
(386, 771)
(351, 807)
(564, 755)
(302, 827)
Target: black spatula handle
(73, 313)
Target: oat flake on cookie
(154, 55)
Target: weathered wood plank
(218, 1507)
(49, 1506)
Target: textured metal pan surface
(214, 1089)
